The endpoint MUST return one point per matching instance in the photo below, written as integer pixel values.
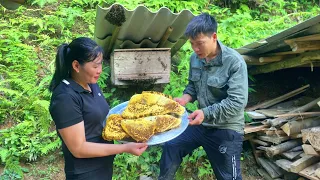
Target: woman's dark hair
(81, 49)
(204, 23)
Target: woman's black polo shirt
(71, 104)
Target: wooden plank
(284, 164)
(309, 172)
(255, 115)
(309, 150)
(292, 155)
(270, 59)
(303, 163)
(250, 129)
(302, 59)
(270, 168)
(273, 139)
(278, 121)
(271, 112)
(279, 99)
(299, 114)
(295, 127)
(312, 135)
(283, 147)
(298, 148)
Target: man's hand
(196, 118)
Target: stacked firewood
(286, 141)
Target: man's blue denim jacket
(221, 88)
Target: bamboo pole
(165, 37)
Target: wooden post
(165, 37)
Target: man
(218, 80)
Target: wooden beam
(281, 98)
(278, 149)
(302, 163)
(314, 37)
(252, 60)
(284, 164)
(271, 112)
(295, 127)
(302, 59)
(299, 114)
(278, 121)
(271, 59)
(302, 46)
(308, 149)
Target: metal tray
(159, 137)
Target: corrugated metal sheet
(276, 42)
(143, 28)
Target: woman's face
(90, 71)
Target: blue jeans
(223, 148)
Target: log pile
(286, 141)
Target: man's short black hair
(203, 23)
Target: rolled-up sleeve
(237, 96)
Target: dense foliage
(28, 40)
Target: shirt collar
(218, 60)
(75, 86)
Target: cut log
(305, 46)
(309, 150)
(264, 174)
(312, 135)
(272, 169)
(252, 60)
(255, 115)
(273, 139)
(295, 127)
(262, 143)
(271, 59)
(278, 121)
(278, 99)
(284, 164)
(302, 163)
(278, 149)
(304, 58)
(274, 132)
(309, 172)
(292, 155)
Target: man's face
(204, 45)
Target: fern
(3, 154)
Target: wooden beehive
(131, 66)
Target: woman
(78, 109)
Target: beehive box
(131, 66)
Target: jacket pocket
(218, 87)
(195, 74)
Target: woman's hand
(136, 148)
